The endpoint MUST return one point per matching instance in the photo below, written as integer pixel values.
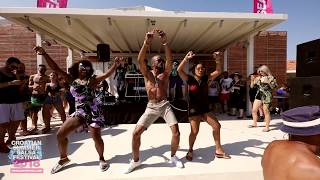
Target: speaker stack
(308, 59)
(304, 91)
(305, 88)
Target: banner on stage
(262, 6)
(52, 3)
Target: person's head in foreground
(12, 64)
(295, 158)
(302, 124)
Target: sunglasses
(160, 60)
(200, 68)
(13, 67)
(86, 68)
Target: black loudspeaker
(103, 52)
(308, 59)
(304, 91)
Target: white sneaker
(176, 161)
(132, 166)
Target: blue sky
(303, 23)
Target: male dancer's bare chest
(40, 79)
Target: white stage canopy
(124, 28)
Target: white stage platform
(245, 145)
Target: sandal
(34, 131)
(25, 133)
(223, 156)
(265, 130)
(103, 165)
(62, 163)
(189, 155)
(252, 126)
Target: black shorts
(252, 94)
(213, 99)
(237, 101)
(195, 110)
(259, 96)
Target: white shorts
(156, 110)
(11, 112)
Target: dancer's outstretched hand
(39, 50)
(117, 61)
(217, 55)
(189, 56)
(162, 36)
(148, 38)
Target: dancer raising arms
(82, 88)
(199, 101)
(156, 82)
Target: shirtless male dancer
(37, 83)
(156, 82)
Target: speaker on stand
(103, 54)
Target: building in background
(270, 49)
(291, 68)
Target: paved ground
(245, 145)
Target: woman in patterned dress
(266, 83)
(82, 88)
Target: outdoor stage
(245, 145)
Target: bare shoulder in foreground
(290, 160)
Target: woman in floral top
(266, 83)
(82, 85)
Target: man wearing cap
(296, 158)
(237, 95)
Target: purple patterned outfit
(98, 109)
(86, 105)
